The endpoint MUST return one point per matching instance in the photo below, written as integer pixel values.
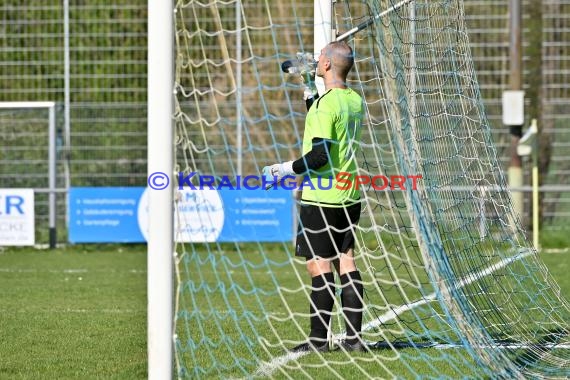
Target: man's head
(336, 60)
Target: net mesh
(452, 288)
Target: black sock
(321, 305)
(352, 292)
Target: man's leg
(352, 300)
(313, 239)
(321, 299)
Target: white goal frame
(160, 156)
(52, 159)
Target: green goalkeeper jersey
(337, 117)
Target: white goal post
(52, 158)
(160, 159)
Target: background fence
(99, 84)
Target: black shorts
(326, 231)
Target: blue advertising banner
(120, 214)
(104, 214)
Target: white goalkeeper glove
(273, 174)
(310, 90)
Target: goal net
(452, 287)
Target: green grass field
(80, 312)
(75, 312)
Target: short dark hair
(342, 56)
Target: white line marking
(555, 250)
(267, 368)
(444, 346)
(31, 270)
(75, 311)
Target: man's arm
(315, 159)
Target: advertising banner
(17, 222)
(120, 214)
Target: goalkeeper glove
(273, 174)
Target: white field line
(267, 368)
(123, 311)
(68, 271)
(30, 270)
(75, 311)
(510, 346)
(555, 250)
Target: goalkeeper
(328, 217)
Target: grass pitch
(80, 311)
(76, 312)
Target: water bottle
(303, 64)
